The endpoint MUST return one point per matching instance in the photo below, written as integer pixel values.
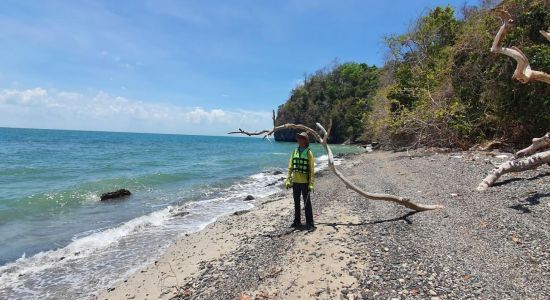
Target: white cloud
(43, 108)
(26, 97)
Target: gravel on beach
(481, 245)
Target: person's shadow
(284, 234)
(288, 232)
(404, 217)
(532, 200)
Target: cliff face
(290, 136)
(285, 135)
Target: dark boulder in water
(115, 195)
(180, 214)
(277, 173)
(248, 198)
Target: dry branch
(538, 144)
(515, 165)
(530, 157)
(323, 140)
(523, 72)
(526, 159)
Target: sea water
(58, 240)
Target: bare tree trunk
(530, 157)
(323, 140)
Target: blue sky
(197, 67)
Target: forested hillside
(340, 93)
(440, 85)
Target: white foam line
(259, 185)
(78, 249)
(86, 246)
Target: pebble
(421, 244)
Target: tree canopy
(340, 93)
(440, 84)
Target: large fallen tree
(537, 153)
(322, 138)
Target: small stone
(420, 273)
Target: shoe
(296, 225)
(310, 227)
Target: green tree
(339, 93)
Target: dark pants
(302, 189)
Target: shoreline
(90, 262)
(193, 254)
(481, 245)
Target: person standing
(301, 177)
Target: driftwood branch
(265, 133)
(523, 72)
(526, 159)
(530, 157)
(515, 165)
(322, 138)
(537, 145)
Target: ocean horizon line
(133, 132)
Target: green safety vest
(300, 161)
